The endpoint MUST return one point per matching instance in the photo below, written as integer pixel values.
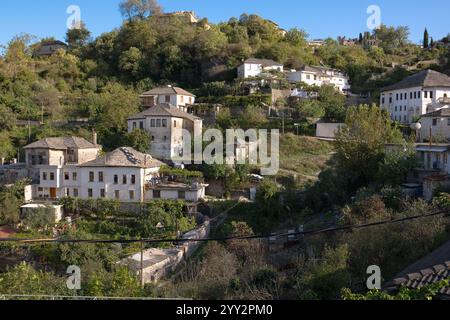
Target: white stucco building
(435, 126)
(320, 76)
(174, 96)
(253, 67)
(416, 95)
(164, 123)
(124, 174)
(48, 159)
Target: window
(411, 95)
(390, 99)
(165, 138)
(396, 97)
(164, 123)
(395, 108)
(133, 179)
(117, 194)
(152, 123)
(74, 176)
(158, 123)
(91, 176)
(382, 100)
(102, 193)
(445, 156)
(75, 193)
(404, 118)
(418, 94)
(124, 179)
(66, 176)
(100, 177)
(425, 94)
(153, 138)
(90, 193)
(156, 194)
(406, 96)
(116, 179)
(167, 98)
(415, 95)
(52, 176)
(448, 121)
(134, 125)
(44, 175)
(434, 122)
(308, 77)
(66, 192)
(182, 195)
(141, 125)
(175, 123)
(131, 195)
(182, 99)
(431, 94)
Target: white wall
(405, 109)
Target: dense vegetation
(95, 85)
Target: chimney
(94, 137)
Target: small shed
(31, 208)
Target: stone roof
(263, 62)
(163, 110)
(441, 113)
(53, 43)
(319, 69)
(124, 157)
(168, 90)
(426, 78)
(62, 143)
(425, 277)
(431, 269)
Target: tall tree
(139, 9)
(426, 43)
(78, 37)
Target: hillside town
(98, 144)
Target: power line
(252, 237)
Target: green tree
(23, 279)
(78, 37)
(426, 43)
(360, 144)
(139, 140)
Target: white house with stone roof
(416, 95)
(165, 124)
(124, 174)
(121, 175)
(320, 76)
(174, 96)
(253, 67)
(49, 158)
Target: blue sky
(320, 18)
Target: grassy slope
(303, 156)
